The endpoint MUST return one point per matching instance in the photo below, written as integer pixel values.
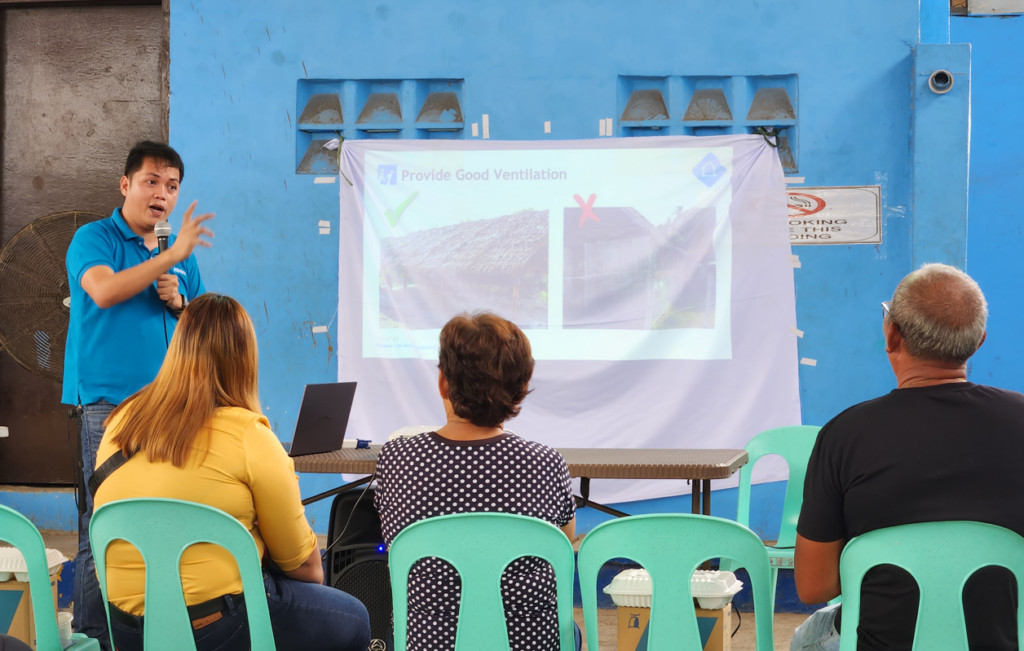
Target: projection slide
(651, 276)
(612, 254)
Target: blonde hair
(212, 362)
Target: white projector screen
(650, 275)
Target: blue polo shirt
(113, 353)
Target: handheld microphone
(163, 231)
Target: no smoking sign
(836, 215)
(802, 205)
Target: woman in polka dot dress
(472, 464)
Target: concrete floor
(66, 542)
(784, 625)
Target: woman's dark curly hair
(488, 364)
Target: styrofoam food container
(712, 589)
(12, 564)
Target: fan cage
(34, 292)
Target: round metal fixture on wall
(34, 292)
(941, 82)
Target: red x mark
(587, 208)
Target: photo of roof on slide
(498, 264)
(623, 272)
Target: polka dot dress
(428, 476)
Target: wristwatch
(184, 304)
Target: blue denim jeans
(818, 633)
(304, 616)
(90, 616)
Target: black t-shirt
(925, 454)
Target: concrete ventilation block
(786, 152)
(645, 104)
(318, 160)
(441, 107)
(710, 131)
(771, 104)
(381, 108)
(708, 104)
(323, 108)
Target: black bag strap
(106, 469)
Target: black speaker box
(358, 561)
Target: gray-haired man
(936, 448)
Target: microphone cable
(167, 340)
(76, 459)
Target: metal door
(80, 86)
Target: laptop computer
(323, 418)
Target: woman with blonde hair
(197, 434)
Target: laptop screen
(323, 418)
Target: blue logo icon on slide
(387, 174)
(708, 170)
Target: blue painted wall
(47, 508)
(995, 252)
(941, 133)
(232, 115)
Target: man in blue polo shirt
(125, 302)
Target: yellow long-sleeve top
(246, 474)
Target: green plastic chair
(161, 529)
(18, 531)
(794, 445)
(670, 547)
(941, 556)
(480, 546)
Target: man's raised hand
(189, 235)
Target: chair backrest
(941, 556)
(670, 547)
(480, 546)
(17, 530)
(794, 445)
(162, 529)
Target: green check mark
(393, 217)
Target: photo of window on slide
(622, 272)
(497, 263)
